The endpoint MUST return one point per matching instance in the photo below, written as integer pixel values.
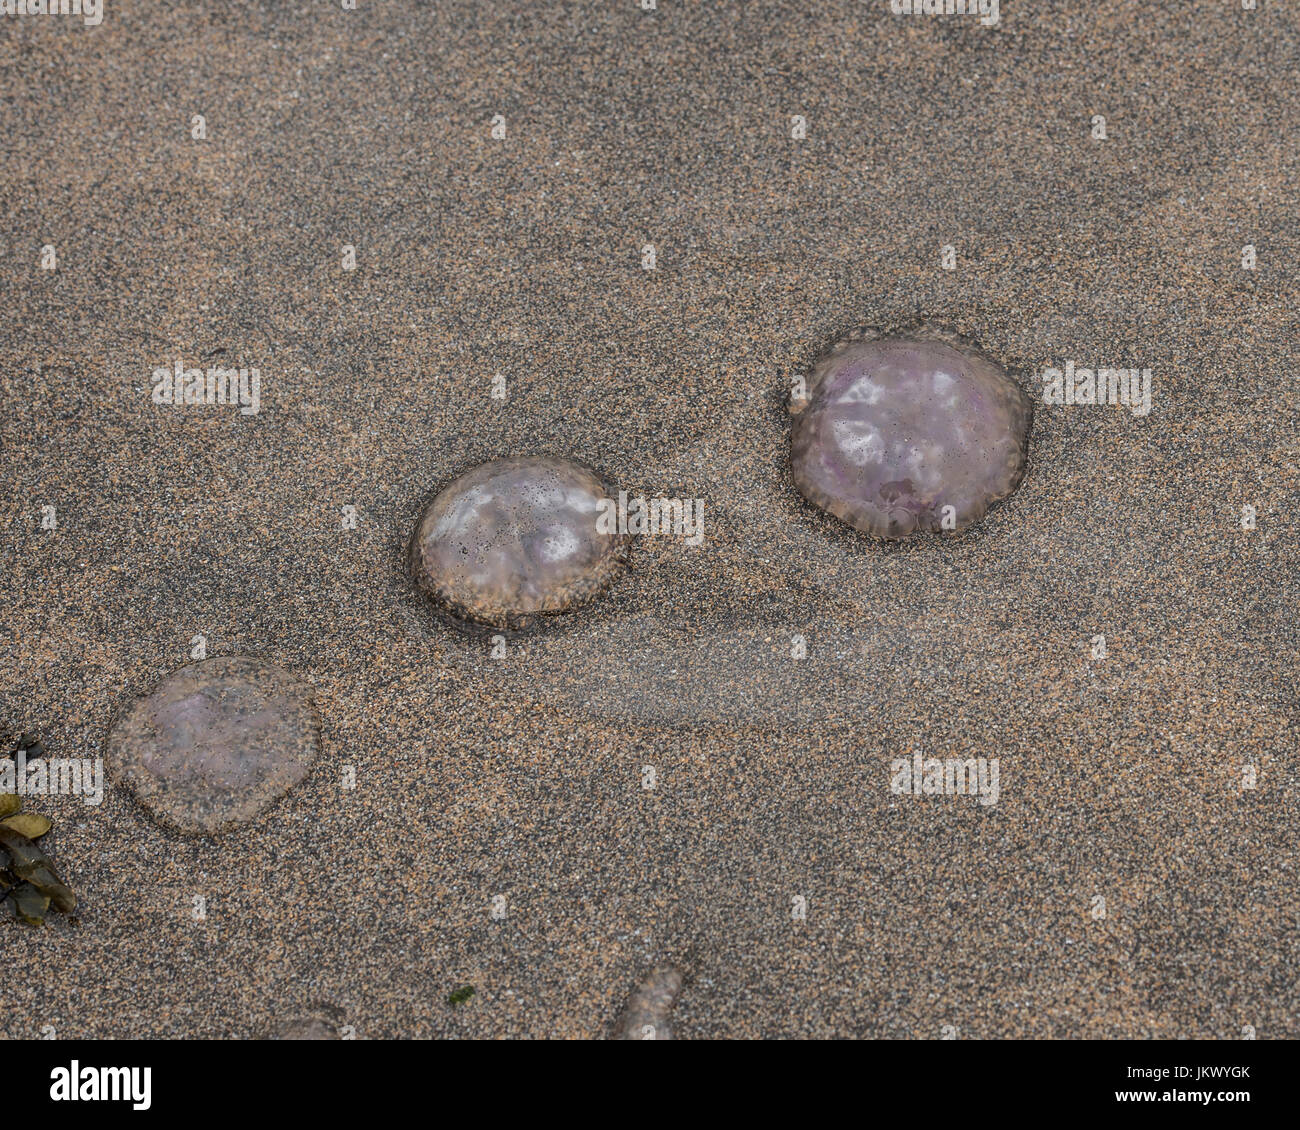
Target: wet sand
(523, 777)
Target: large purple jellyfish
(516, 539)
(216, 743)
(899, 435)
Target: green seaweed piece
(29, 863)
(461, 995)
(9, 804)
(30, 905)
(28, 824)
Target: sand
(500, 833)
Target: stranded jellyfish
(897, 435)
(516, 539)
(216, 743)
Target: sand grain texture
(499, 833)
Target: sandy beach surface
(658, 781)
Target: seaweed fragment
(28, 862)
(28, 824)
(28, 879)
(30, 905)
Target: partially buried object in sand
(514, 540)
(898, 435)
(645, 1016)
(216, 743)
